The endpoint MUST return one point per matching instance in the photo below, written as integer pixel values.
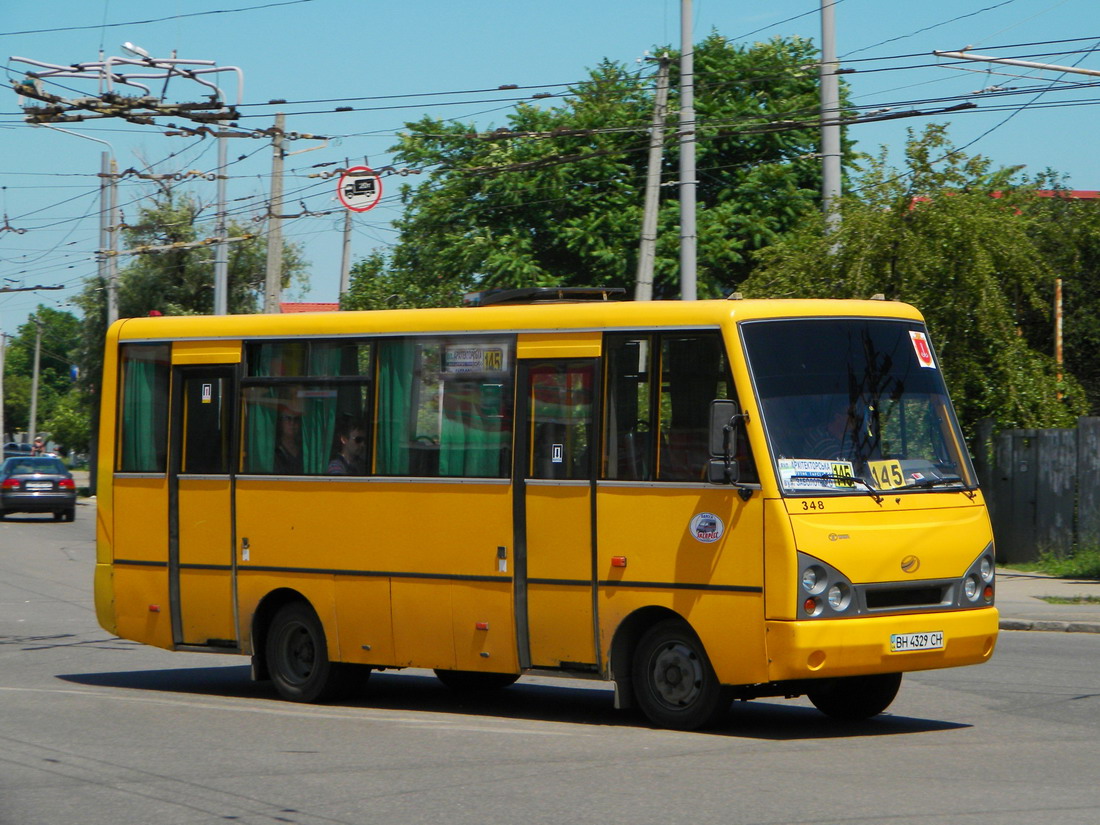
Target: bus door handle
(502, 559)
(244, 549)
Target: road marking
(422, 721)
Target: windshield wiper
(853, 480)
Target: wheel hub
(677, 675)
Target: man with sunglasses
(351, 451)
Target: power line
(155, 19)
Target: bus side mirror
(724, 418)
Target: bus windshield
(852, 406)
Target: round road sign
(360, 188)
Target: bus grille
(886, 598)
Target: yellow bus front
(878, 551)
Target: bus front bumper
(880, 644)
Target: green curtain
(396, 360)
(142, 416)
(319, 417)
(261, 411)
(472, 438)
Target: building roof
(316, 306)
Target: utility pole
(687, 156)
(32, 424)
(345, 256)
(830, 120)
(647, 250)
(1058, 335)
(112, 245)
(3, 347)
(221, 249)
(273, 283)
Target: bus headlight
(824, 592)
(840, 596)
(977, 586)
(814, 579)
(972, 588)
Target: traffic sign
(360, 188)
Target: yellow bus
(699, 501)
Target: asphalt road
(95, 730)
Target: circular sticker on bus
(707, 527)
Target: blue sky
(431, 57)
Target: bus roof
(543, 317)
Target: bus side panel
(422, 624)
(484, 635)
(105, 462)
(714, 581)
(401, 551)
(444, 537)
(559, 575)
(363, 615)
(141, 605)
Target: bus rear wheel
(856, 697)
(463, 681)
(297, 656)
(674, 683)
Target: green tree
(59, 346)
(555, 198)
(954, 236)
(179, 281)
(69, 424)
(1067, 231)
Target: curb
(1062, 627)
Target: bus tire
(297, 656)
(856, 697)
(469, 681)
(674, 683)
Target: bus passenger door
(555, 460)
(200, 518)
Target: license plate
(39, 485)
(904, 642)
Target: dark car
(15, 449)
(37, 484)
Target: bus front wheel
(674, 683)
(297, 656)
(856, 697)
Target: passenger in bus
(288, 450)
(351, 450)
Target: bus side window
(629, 450)
(445, 407)
(304, 401)
(143, 409)
(694, 372)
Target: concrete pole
(104, 216)
(32, 424)
(830, 116)
(273, 283)
(687, 156)
(3, 345)
(113, 230)
(221, 249)
(345, 257)
(647, 250)
(1058, 335)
